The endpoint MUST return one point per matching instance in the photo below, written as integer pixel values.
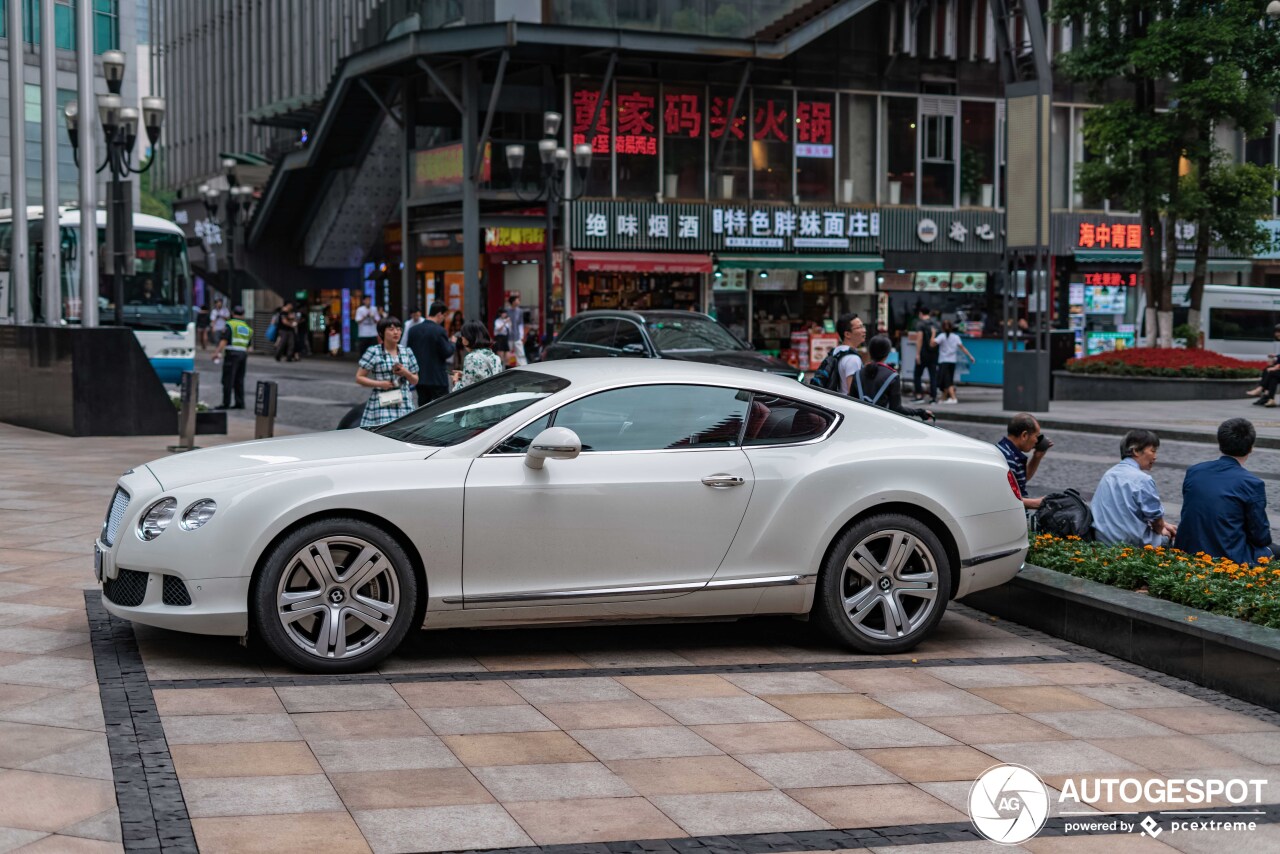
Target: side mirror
(634, 350)
(554, 443)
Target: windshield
(470, 411)
(688, 335)
(155, 296)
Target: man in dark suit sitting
(1224, 505)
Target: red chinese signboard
(718, 119)
(771, 121)
(682, 114)
(635, 124)
(813, 122)
(1102, 235)
(1128, 280)
(584, 105)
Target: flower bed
(1219, 586)
(1161, 362)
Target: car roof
(609, 371)
(643, 315)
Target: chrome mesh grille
(128, 588)
(175, 591)
(115, 515)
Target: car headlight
(199, 513)
(156, 519)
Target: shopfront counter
(988, 370)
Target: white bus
(1240, 322)
(157, 297)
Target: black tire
(352, 418)
(373, 610)
(868, 604)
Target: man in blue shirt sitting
(1126, 506)
(1224, 506)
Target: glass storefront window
(729, 178)
(977, 153)
(898, 142)
(858, 149)
(585, 96)
(815, 147)
(636, 140)
(684, 159)
(937, 158)
(771, 135)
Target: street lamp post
(553, 178)
(120, 128)
(235, 214)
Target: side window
(629, 339)
(576, 333)
(599, 332)
(519, 443)
(780, 421)
(657, 417)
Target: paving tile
(12, 838)
(89, 759)
(222, 796)
(730, 655)
(687, 775)
(1199, 720)
(50, 671)
(1137, 695)
(587, 690)
(264, 759)
(340, 698)
(875, 806)
(1042, 698)
(21, 743)
(50, 802)
(765, 738)
(638, 657)
(447, 695)
(331, 832)
(982, 729)
(220, 729)
(787, 683)
(440, 828)
(523, 748)
(104, 826)
(931, 764)
(955, 794)
(14, 614)
(1261, 747)
(1122, 843)
(217, 701)
(476, 719)
(1263, 840)
(985, 676)
(946, 702)
(1111, 723)
(1075, 673)
(737, 812)
(681, 686)
(888, 680)
(1181, 752)
(318, 726)
(596, 820)
(893, 732)
(950, 848)
(640, 743)
(822, 707)
(72, 709)
(532, 661)
(20, 695)
(802, 770)
(422, 787)
(61, 844)
(382, 754)
(605, 714)
(721, 710)
(1059, 757)
(553, 782)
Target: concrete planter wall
(1069, 386)
(1231, 656)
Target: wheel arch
(933, 522)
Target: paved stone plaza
(748, 736)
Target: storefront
(640, 280)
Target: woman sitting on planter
(1126, 506)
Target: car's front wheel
(335, 596)
(884, 585)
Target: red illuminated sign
(718, 119)
(1103, 235)
(1128, 280)
(771, 121)
(683, 115)
(813, 122)
(584, 105)
(635, 124)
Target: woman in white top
(949, 349)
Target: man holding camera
(1024, 435)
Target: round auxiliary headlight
(199, 513)
(157, 518)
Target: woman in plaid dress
(391, 371)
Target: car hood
(278, 455)
(748, 359)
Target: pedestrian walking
(516, 313)
(926, 341)
(1126, 506)
(950, 346)
(391, 371)
(502, 335)
(415, 317)
(878, 384)
(480, 362)
(218, 319)
(433, 349)
(1224, 505)
(202, 326)
(286, 323)
(233, 352)
(532, 345)
(367, 319)
(335, 337)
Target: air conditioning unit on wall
(860, 282)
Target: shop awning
(641, 262)
(1185, 264)
(1107, 256)
(800, 262)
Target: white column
(49, 163)
(19, 269)
(88, 163)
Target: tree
(1183, 68)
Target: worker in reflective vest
(235, 344)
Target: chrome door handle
(722, 481)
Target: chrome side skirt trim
(640, 590)
(974, 561)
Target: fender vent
(175, 591)
(128, 588)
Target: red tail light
(1013, 484)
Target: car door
(648, 509)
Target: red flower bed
(1160, 362)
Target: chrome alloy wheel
(889, 585)
(338, 597)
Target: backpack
(1065, 514)
(273, 331)
(873, 400)
(828, 374)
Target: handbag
(272, 332)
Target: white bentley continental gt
(571, 491)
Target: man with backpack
(878, 384)
(839, 367)
(926, 341)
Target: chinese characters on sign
(814, 133)
(1112, 279)
(1103, 235)
(682, 115)
(584, 105)
(807, 229)
(635, 124)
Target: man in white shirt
(367, 317)
(415, 317)
(516, 315)
(852, 333)
(218, 319)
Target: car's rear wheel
(335, 596)
(884, 585)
